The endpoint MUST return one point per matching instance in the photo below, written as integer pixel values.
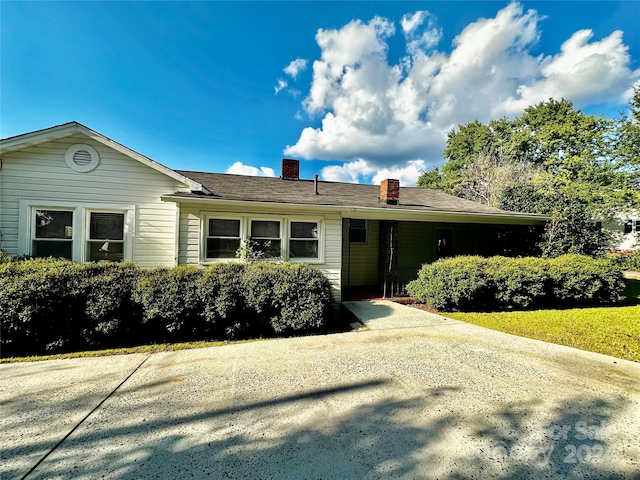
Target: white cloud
(416, 34)
(351, 172)
(360, 171)
(240, 168)
(295, 67)
(582, 71)
(281, 85)
(407, 174)
(386, 114)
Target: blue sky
(377, 85)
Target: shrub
(220, 291)
(452, 283)
(515, 282)
(170, 302)
(56, 305)
(289, 297)
(499, 283)
(580, 280)
(627, 261)
(49, 305)
(4, 258)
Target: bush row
(627, 261)
(471, 283)
(56, 305)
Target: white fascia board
(371, 213)
(19, 142)
(26, 140)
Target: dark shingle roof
(300, 192)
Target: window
(303, 240)
(357, 231)
(265, 235)
(52, 233)
(444, 238)
(299, 238)
(223, 238)
(106, 236)
(628, 226)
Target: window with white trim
(265, 236)
(52, 233)
(304, 240)
(105, 238)
(296, 238)
(631, 226)
(223, 237)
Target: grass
(169, 347)
(611, 330)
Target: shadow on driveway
(416, 437)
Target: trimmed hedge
(471, 283)
(55, 305)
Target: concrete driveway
(422, 398)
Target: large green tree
(575, 167)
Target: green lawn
(612, 330)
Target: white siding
(41, 173)
(190, 226)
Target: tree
(553, 159)
(571, 229)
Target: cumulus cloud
(360, 171)
(240, 168)
(295, 67)
(351, 172)
(379, 115)
(407, 174)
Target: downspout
(349, 261)
(391, 255)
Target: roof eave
(380, 213)
(31, 139)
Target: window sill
(310, 261)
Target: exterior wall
(626, 241)
(40, 174)
(192, 216)
(416, 246)
(360, 262)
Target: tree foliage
(553, 159)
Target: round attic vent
(82, 158)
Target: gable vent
(82, 158)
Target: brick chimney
(390, 191)
(290, 169)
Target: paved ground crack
(83, 420)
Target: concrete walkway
(415, 397)
(385, 315)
